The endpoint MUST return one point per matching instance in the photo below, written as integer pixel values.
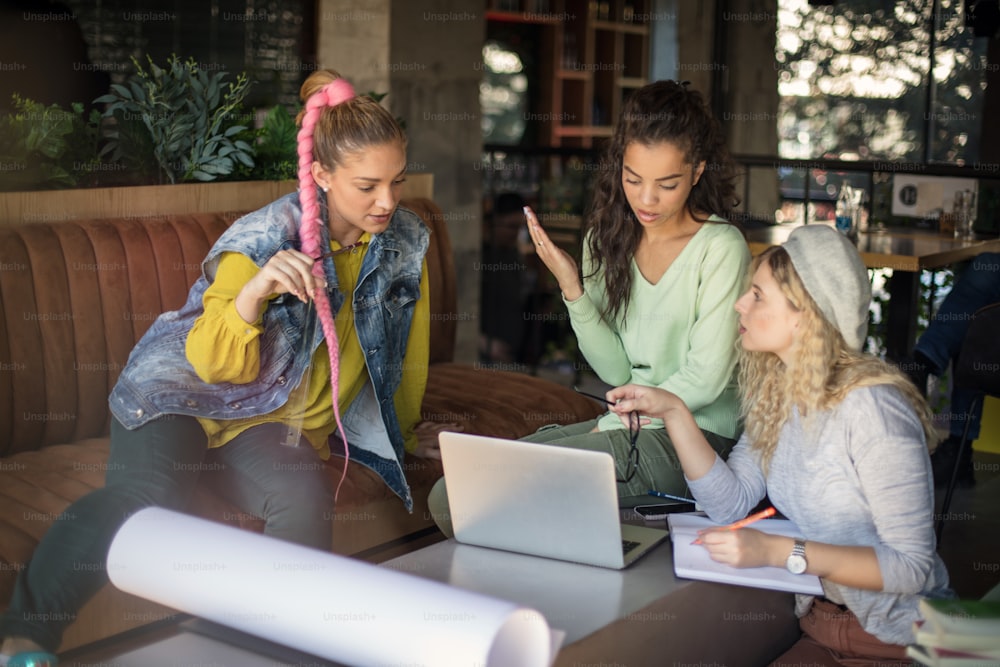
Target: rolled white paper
(331, 606)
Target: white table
(640, 615)
(578, 599)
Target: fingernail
(527, 210)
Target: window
(854, 85)
(503, 94)
(272, 41)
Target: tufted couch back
(77, 295)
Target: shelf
(631, 28)
(521, 17)
(608, 57)
(570, 239)
(634, 28)
(584, 130)
(561, 221)
(631, 82)
(606, 25)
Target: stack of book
(957, 633)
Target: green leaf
(122, 91)
(139, 94)
(164, 122)
(213, 93)
(244, 159)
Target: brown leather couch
(76, 295)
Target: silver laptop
(542, 500)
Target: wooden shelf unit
(593, 55)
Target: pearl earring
(325, 188)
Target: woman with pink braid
(307, 334)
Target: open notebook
(691, 561)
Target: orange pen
(742, 523)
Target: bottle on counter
(844, 211)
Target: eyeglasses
(632, 462)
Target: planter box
(150, 200)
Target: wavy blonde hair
(824, 371)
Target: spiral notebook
(691, 561)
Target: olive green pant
(658, 468)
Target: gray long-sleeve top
(856, 475)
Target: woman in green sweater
(662, 270)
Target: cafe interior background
(519, 96)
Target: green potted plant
(46, 147)
(177, 136)
(177, 122)
(275, 148)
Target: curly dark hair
(663, 111)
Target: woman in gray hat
(837, 440)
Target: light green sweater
(679, 334)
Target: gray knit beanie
(835, 277)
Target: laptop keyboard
(628, 545)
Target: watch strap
(799, 549)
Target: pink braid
(330, 95)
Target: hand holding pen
(742, 523)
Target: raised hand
(558, 261)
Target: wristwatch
(796, 563)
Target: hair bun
(338, 91)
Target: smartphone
(661, 510)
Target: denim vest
(158, 379)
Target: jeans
(658, 468)
(159, 464)
(977, 286)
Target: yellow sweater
(222, 347)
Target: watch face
(796, 564)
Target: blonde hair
(824, 370)
(347, 127)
